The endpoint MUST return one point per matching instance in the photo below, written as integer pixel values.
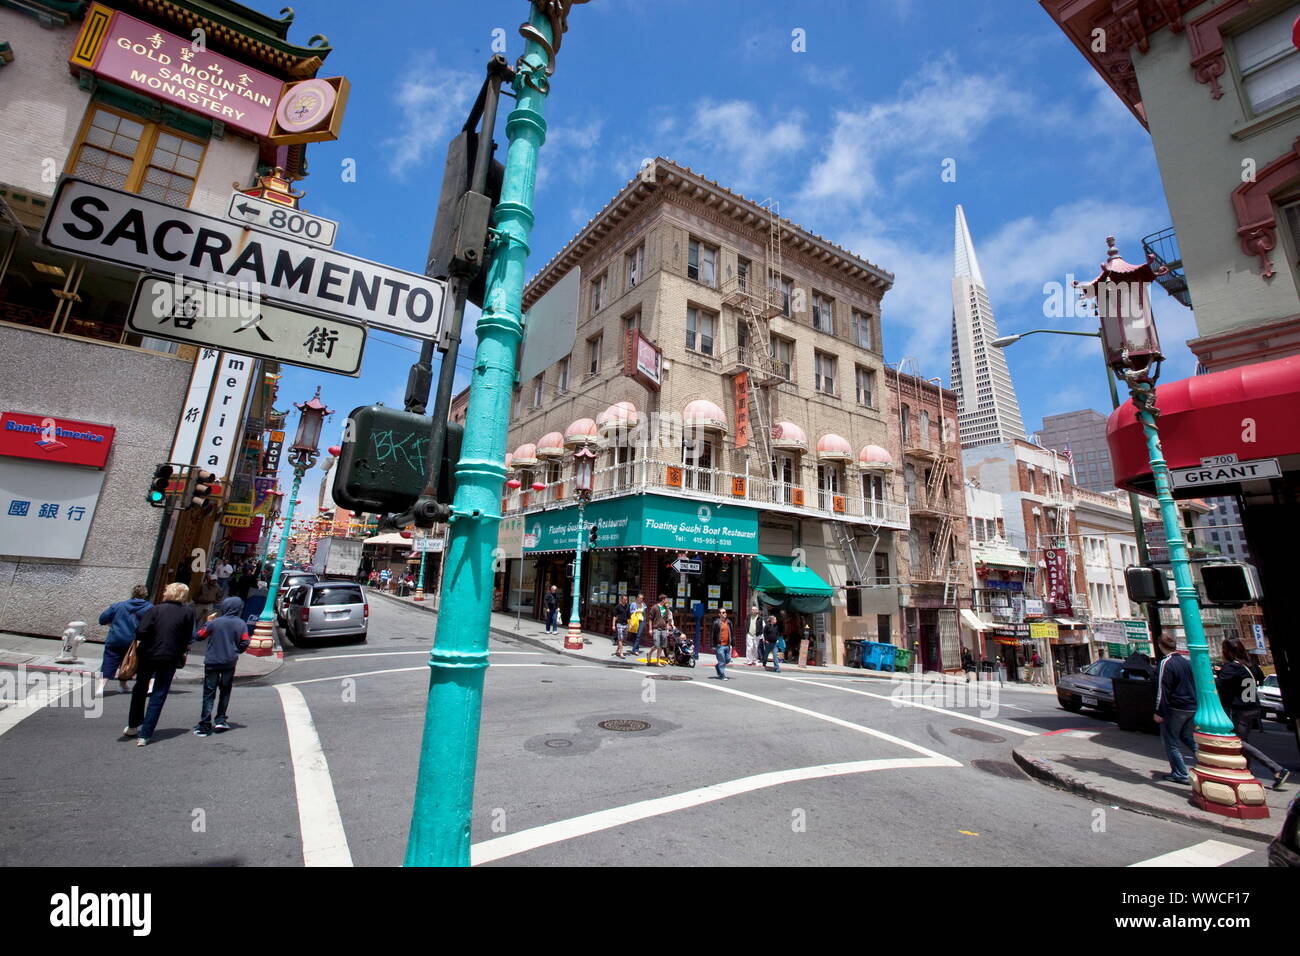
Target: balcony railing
(692, 481)
(920, 502)
(1164, 246)
(931, 570)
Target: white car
(1270, 698)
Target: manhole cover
(626, 725)
(670, 677)
(981, 735)
(999, 768)
(559, 744)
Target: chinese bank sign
(649, 521)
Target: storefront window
(715, 587)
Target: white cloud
(433, 103)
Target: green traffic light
(156, 496)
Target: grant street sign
(140, 233)
(274, 217)
(1225, 473)
(198, 314)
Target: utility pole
(440, 819)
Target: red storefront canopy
(1252, 411)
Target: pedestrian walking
(1175, 707)
(122, 619)
(636, 623)
(661, 622)
(553, 610)
(227, 635)
(223, 570)
(773, 642)
(622, 615)
(753, 636)
(1238, 685)
(722, 643)
(373, 578)
(164, 636)
(385, 576)
(968, 664)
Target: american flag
(1068, 456)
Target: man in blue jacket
(1175, 707)
(227, 635)
(122, 619)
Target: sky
(867, 120)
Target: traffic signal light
(1230, 583)
(382, 466)
(158, 487)
(592, 535)
(1146, 585)
(198, 488)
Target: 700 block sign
(114, 226)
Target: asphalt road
(796, 769)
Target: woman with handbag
(122, 619)
(162, 641)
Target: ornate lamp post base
(1221, 780)
(262, 642)
(573, 637)
(419, 594)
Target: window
(861, 329)
(123, 152)
(699, 330)
(702, 263)
(782, 351)
(783, 474)
(554, 474)
(593, 354)
(824, 372)
(882, 573)
(598, 285)
(924, 429)
(823, 313)
(873, 487)
(537, 392)
(743, 267)
(828, 485)
(562, 383)
(697, 456)
(635, 261)
(632, 321)
(1269, 62)
(865, 382)
(787, 289)
(853, 599)
(907, 425)
(623, 456)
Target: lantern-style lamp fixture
(1123, 295)
(584, 461)
(310, 423)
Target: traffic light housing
(383, 460)
(160, 485)
(198, 489)
(591, 535)
(1231, 584)
(1146, 585)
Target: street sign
(274, 217)
(1258, 630)
(687, 566)
(123, 228)
(1227, 473)
(198, 314)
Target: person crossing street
(722, 633)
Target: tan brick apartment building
(725, 365)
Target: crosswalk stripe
(1207, 853)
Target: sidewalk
(39, 653)
(599, 649)
(1123, 768)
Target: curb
(1045, 771)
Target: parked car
(288, 581)
(1090, 687)
(1270, 698)
(326, 609)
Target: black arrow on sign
(246, 209)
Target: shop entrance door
(929, 636)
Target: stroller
(680, 651)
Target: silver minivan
(326, 609)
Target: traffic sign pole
(444, 793)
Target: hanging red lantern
(538, 486)
(514, 483)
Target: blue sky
(850, 135)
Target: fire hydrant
(72, 636)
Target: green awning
(781, 578)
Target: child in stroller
(680, 651)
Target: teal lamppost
(302, 456)
(444, 791)
(584, 460)
(1221, 780)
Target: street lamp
(1221, 780)
(583, 468)
(302, 456)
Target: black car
(1091, 687)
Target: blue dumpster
(873, 655)
(254, 604)
(887, 656)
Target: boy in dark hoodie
(227, 637)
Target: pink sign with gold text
(169, 68)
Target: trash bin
(1135, 701)
(853, 653)
(254, 604)
(888, 654)
(902, 658)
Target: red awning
(1252, 411)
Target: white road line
(424, 667)
(343, 657)
(501, 847)
(1208, 853)
(324, 842)
(908, 703)
(15, 712)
